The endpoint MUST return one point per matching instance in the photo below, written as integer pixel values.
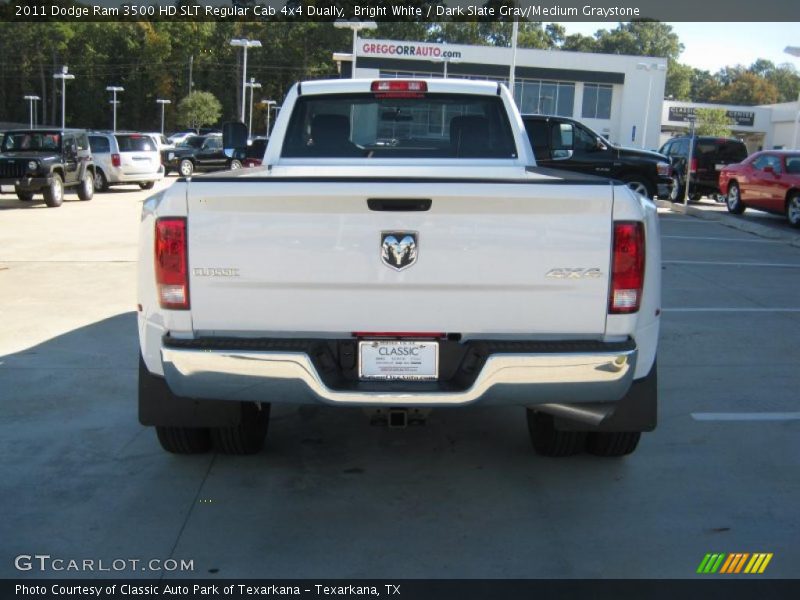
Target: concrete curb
(732, 221)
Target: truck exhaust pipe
(589, 414)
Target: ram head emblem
(398, 249)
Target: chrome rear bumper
(290, 377)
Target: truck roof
(436, 86)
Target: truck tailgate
(305, 256)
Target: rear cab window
(375, 125)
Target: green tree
(704, 86)
(198, 109)
(713, 121)
(640, 38)
(579, 43)
(679, 80)
(747, 89)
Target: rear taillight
(116, 160)
(172, 267)
(693, 165)
(627, 267)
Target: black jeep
(47, 161)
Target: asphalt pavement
(332, 496)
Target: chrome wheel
(793, 210)
(639, 188)
(235, 164)
(186, 168)
(674, 190)
(734, 200)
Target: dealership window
(544, 97)
(596, 101)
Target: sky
(711, 46)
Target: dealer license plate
(398, 360)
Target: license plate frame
(374, 365)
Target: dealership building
(619, 96)
(760, 127)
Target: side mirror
(562, 154)
(234, 138)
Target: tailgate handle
(398, 205)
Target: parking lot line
(719, 239)
(757, 416)
(731, 309)
(715, 263)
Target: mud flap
(159, 406)
(636, 411)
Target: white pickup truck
(399, 251)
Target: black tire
(54, 192)
(186, 168)
(612, 443)
(147, 185)
(695, 197)
(86, 186)
(640, 185)
(24, 196)
(734, 199)
(100, 181)
(549, 441)
(184, 440)
(235, 164)
(247, 437)
(793, 209)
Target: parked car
(768, 181)
(125, 158)
(255, 152)
(200, 153)
(180, 136)
(710, 155)
(563, 143)
(47, 161)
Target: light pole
(269, 104)
(114, 89)
(795, 51)
(245, 44)
(648, 67)
(32, 100)
(691, 119)
(63, 76)
(163, 103)
(513, 69)
(356, 26)
(446, 60)
(252, 85)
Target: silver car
(125, 158)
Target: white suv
(125, 158)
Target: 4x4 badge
(399, 249)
